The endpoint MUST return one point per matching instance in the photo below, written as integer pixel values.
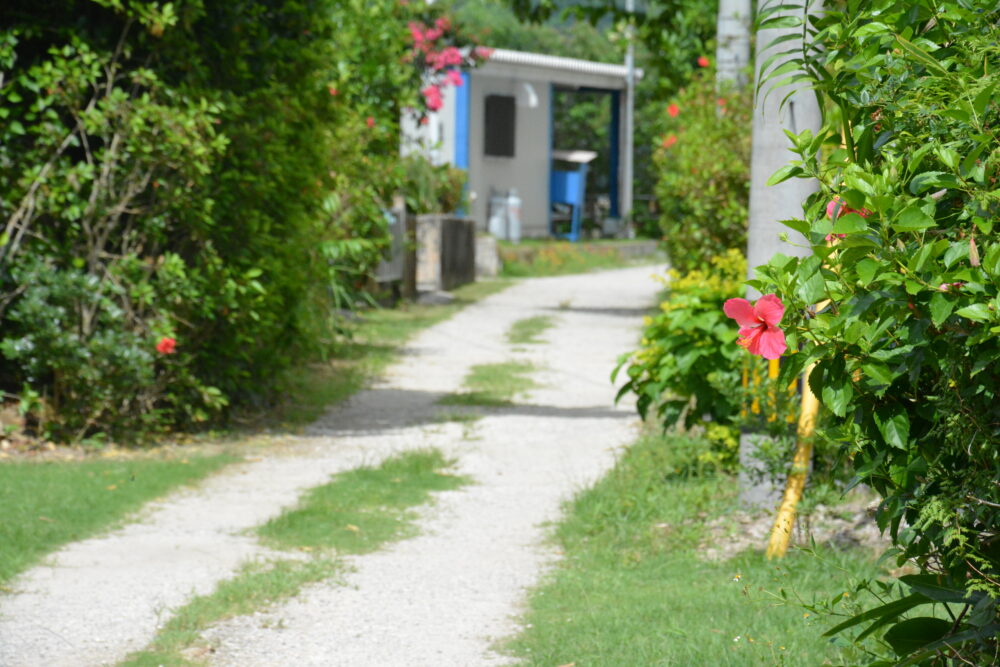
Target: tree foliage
(898, 304)
(210, 172)
(703, 169)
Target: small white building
(498, 126)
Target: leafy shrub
(689, 371)
(703, 165)
(432, 188)
(208, 171)
(905, 336)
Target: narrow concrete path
(439, 599)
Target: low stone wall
(446, 252)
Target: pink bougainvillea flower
(451, 56)
(442, 24)
(432, 96)
(370, 121)
(433, 34)
(673, 110)
(703, 61)
(454, 77)
(759, 331)
(416, 32)
(669, 140)
(483, 52)
(166, 345)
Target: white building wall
(528, 170)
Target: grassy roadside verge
(357, 512)
(632, 590)
(50, 503)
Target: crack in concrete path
(438, 599)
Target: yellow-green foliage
(689, 366)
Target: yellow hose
(781, 532)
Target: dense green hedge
(187, 190)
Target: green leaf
(834, 385)
(978, 312)
(866, 269)
(873, 28)
(950, 641)
(933, 179)
(785, 173)
(912, 219)
(931, 586)
(941, 307)
(894, 425)
(910, 635)
(813, 289)
(982, 99)
(878, 372)
(852, 223)
(889, 610)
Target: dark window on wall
(500, 115)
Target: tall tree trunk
(774, 112)
(732, 51)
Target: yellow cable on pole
(781, 532)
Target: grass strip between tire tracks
(528, 330)
(493, 385)
(357, 512)
(362, 509)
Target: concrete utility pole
(732, 51)
(629, 127)
(771, 204)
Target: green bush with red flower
(703, 171)
(898, 305)
(207, 172)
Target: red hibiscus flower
(703, 61)
(370, 121)
(669, 140)
(837, 208)
(167, 345)
(759, 331)
(673, 110)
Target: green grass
(632, 591)
(528, 330)
(356, 513)
(493, 385)
(369, 346)
(362, 509)
(48, 504)
(531, 258)
(459, 416)
(254, 587)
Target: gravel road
(442, 598)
